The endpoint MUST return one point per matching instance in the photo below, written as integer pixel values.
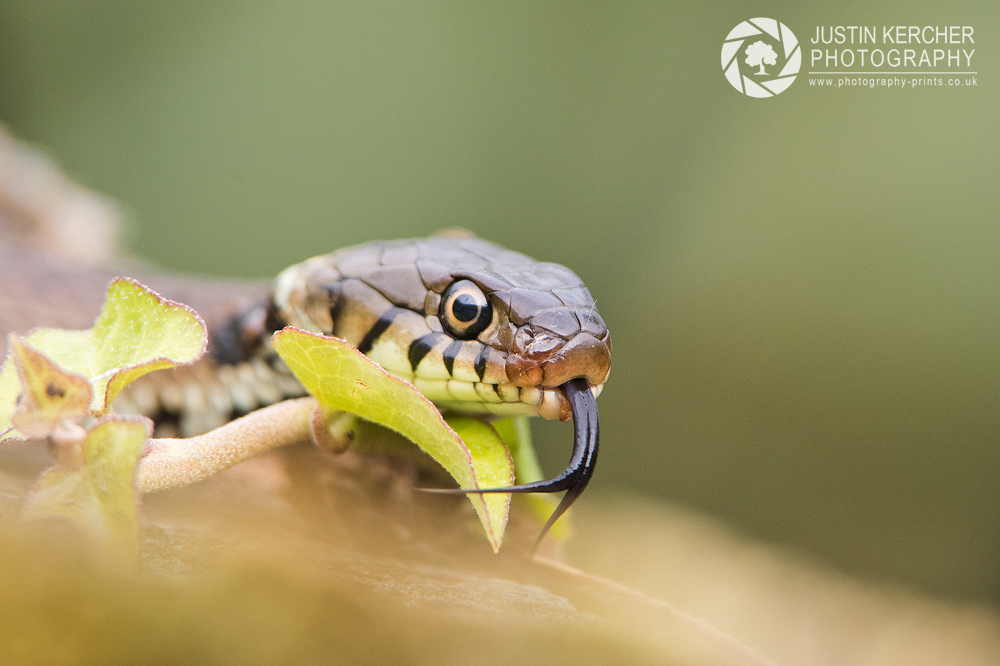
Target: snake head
(476, 327)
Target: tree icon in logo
(759, 53)
(768, 42)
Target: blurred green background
(803, 291)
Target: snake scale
(475, 327)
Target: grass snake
(475, 327)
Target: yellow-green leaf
(342, 378)
(48, 393)
(136, 332)
(100, 497)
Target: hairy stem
(169, 463)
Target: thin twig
(169, 463)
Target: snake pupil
(466, 308)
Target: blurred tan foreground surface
(302, 558)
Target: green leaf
(100, 496)
(48, 394)
(516, 434)
(342, 378)
(136, 332)
(491, 460)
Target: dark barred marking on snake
(475, 327)
(384, 322)
(450, 352)
(420, 347)
(481, 362)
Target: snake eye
(465, 311)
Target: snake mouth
(576, 476)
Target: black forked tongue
(576, 476)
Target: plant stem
(169, 463)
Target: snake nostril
(523, 337)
